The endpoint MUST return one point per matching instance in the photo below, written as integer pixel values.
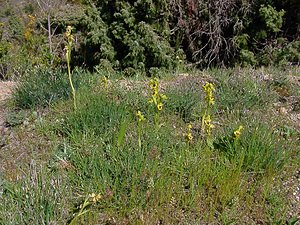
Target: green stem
(81, 212)
(156, 120)
(70, 76)
(139, 135)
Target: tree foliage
(147, 34)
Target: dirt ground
(6, 89)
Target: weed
(207, 125)
(183, 100)
(43, 87)
(189, 136)
(140, 119)
(83, 208)
(68, 57)
(148, 175)
(157, 100)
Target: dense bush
(143, 35)
(226, 32)
(22, 45)
(128, 34)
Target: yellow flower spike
(69, 34)
(209, 89)
(68, 58)
(29, 27)
(140, 116)
(208, 126)
(104, 81)
(156, 98)
(189, 136)
(237, 133)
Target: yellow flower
(68, 31)
(237, 133)
(104, 81)
(189, 136)
(209, 89)
(156, 98)
(27, 34)
(207, 123)
(159, 106)
(207, 119)
(153, 83)
(95, 198)
(154, 92)
(31, 20)
(140, 116)
(69, 34)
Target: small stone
(283, 111)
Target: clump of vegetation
(144, 36)
(142, 145)
(143, 174)
(68, 57)
(45, 86)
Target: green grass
(43, 87)
(165, 180)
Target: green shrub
(241, 91)
(96, 113)
(144, 34)
(184, 100)
(258, 151)
(129, 35)
(281, 52)
(22, 44)
(271, 17)
(42, 87)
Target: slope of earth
(6, 89)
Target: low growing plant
(157, 99)
(68, 57)
(140, 120)
(207, 124)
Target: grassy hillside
(140, 152)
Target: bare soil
(6, 89)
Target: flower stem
(70, 76)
